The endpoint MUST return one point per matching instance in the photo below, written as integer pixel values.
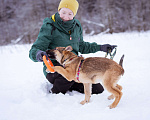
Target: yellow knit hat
(71, 4)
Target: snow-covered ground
(23, 87)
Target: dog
(89, 71)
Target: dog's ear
(68, 48)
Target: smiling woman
(66, 14)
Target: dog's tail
(121, 61)
(121, 64)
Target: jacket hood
(47, 20)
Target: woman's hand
(40, 54)
(107, 47)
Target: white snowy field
(23, 87)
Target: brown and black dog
(89, 71)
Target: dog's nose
(50, 53)
(47, 51)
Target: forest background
(21, 20)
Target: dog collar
(69, 60)
(79, 69)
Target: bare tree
(20, 20)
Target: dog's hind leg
(119, 87)
(118, 94)
(87, 91)
(110, 85)
(112, 96)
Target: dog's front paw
(83, 102)
(56, 68)
(48, 71)
(53, 67)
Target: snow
(24, 89)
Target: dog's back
(100, 64)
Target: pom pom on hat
(73, 5)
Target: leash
(110, 53)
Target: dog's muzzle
(51, 54)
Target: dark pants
(60, 84)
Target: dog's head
(61, 54)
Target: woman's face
(66, 14)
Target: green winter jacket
(56, 33)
